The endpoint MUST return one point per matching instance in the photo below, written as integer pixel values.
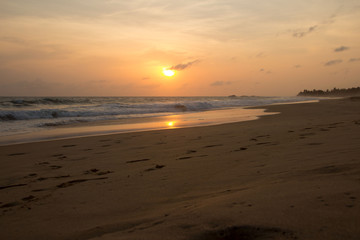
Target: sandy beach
(293, 175)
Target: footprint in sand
(155, 168)
(314, 144)
(240, 149)
(214, 145)
(138, 160)
(28, 198)
(30, 175)
(14, 185)
(44, 163)
(352, 199)
(70, 145)
(73, 182)
(97, 172)
(263, 136)
(16, 154)
(56, 177)
(190, 151)
(183, 158)
(10, 204)
(55, 167)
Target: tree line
(335, 92)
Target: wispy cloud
(340, 49)
(333, 62)
(303, 33)
(300, 33)
(354, 59)
(220, 83)
(263, 70)
(182, 66)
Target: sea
(24, 119)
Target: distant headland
(335, 92)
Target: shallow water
(35, 118)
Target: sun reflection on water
(170, 124)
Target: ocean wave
(100, 110)
(28, 101)
(122, 107)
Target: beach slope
(294, 175)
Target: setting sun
(168, 72)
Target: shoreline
(293, 175)
(108, 127)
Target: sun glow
(170, 124)
(168, 72)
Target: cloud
(300, 34)
(297, 66)
(354, 59)
(263, 70)
(181, 66)
(333, 62)
(220, 83)
(260, 55)
(340, 49)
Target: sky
(215, 47)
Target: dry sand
(295, 175)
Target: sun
(168, 72)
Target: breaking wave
(12, 109)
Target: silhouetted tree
(335, 92)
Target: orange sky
(217, 47)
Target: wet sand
(294, 175)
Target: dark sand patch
(314, 144)
(246, 233)
(332, 169)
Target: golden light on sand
(168, 72)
